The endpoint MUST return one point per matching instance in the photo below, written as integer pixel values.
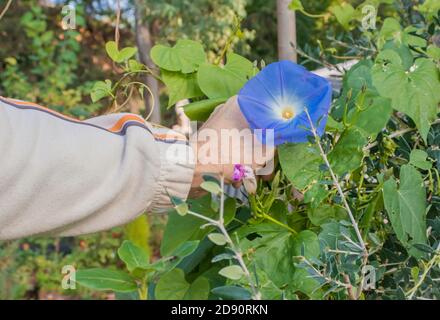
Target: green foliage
(224, 82)
(173, 286)
(414, 91)
(105, 279)
(186, 56)
(46, 70)
(406, 207)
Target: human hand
(225, 140)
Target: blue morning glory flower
(277, 97)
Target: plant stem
(237, 252)
(268, 217)
(338, 186)
(396, 134)
(434, 261)
(5, 9)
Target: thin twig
(433, 262)
(237, 252)
(338, 186)
(118, 21)
(395, 135)
(8, 4)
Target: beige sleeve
(61, 176)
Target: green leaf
(181, 229)
(198, 290)
(372, 117)
(429, 8)
(201, 110)
(304, 282)
(225, 81)
(186, 249)
(119, 56)
(232, 293)
(186, 56)
(296, 5)
(126, 53)
(101, 90)
(112, 50)
(138, 232)
(104, 279)
(173, 286)
(406, 207)
(325, 213)
(278, 246)
(392, 31)
(306, 244)
(300, 163)
(415, 273)
(347, 154)
(418, 159)
(134, 65)
(133, 256)
(230, 208)
(217, 238)
(433, 51)
(180, 86)
(182, 209)
(415, 92)
(344, 13)
(232, 272)
(315, 195)
(211, 187)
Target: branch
(237, 252)
(5, 9)
(338, 186)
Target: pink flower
(239, 172)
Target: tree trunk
(286, 31)
(144, 43)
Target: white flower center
(288, 113)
